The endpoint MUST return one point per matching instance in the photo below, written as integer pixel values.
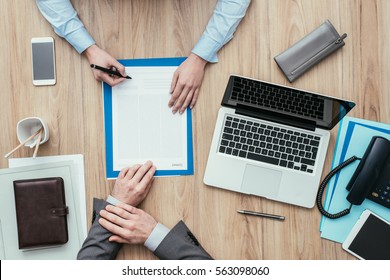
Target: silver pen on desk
(264, 215)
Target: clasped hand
(127, 223)
(133, 183)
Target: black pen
(265, 215)
(109, 71)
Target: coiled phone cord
(323, 186)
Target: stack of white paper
(71, 169)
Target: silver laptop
(271, 140)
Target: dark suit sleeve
(181, 244)
(96, 246)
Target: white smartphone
(43, 61)
(369, 239)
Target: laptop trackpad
(261, 181)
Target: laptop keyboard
(270, 144)
(276, 97)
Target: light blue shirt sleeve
(155, 237)
(220, 28)
(65, 22)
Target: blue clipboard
(107, 104)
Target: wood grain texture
(170, 28)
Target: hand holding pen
(101, 58)
(111, 72)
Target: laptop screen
(322, 111)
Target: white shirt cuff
(156, 237)
(112, 200)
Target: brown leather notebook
(41, 212)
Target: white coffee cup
(29, 126)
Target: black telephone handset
(372, 173)
(371, 169)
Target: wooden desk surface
(142, 29)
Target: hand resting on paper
(133, 183)
(127, 223)
(186, 82)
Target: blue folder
(353, 139)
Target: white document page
(144, 127)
